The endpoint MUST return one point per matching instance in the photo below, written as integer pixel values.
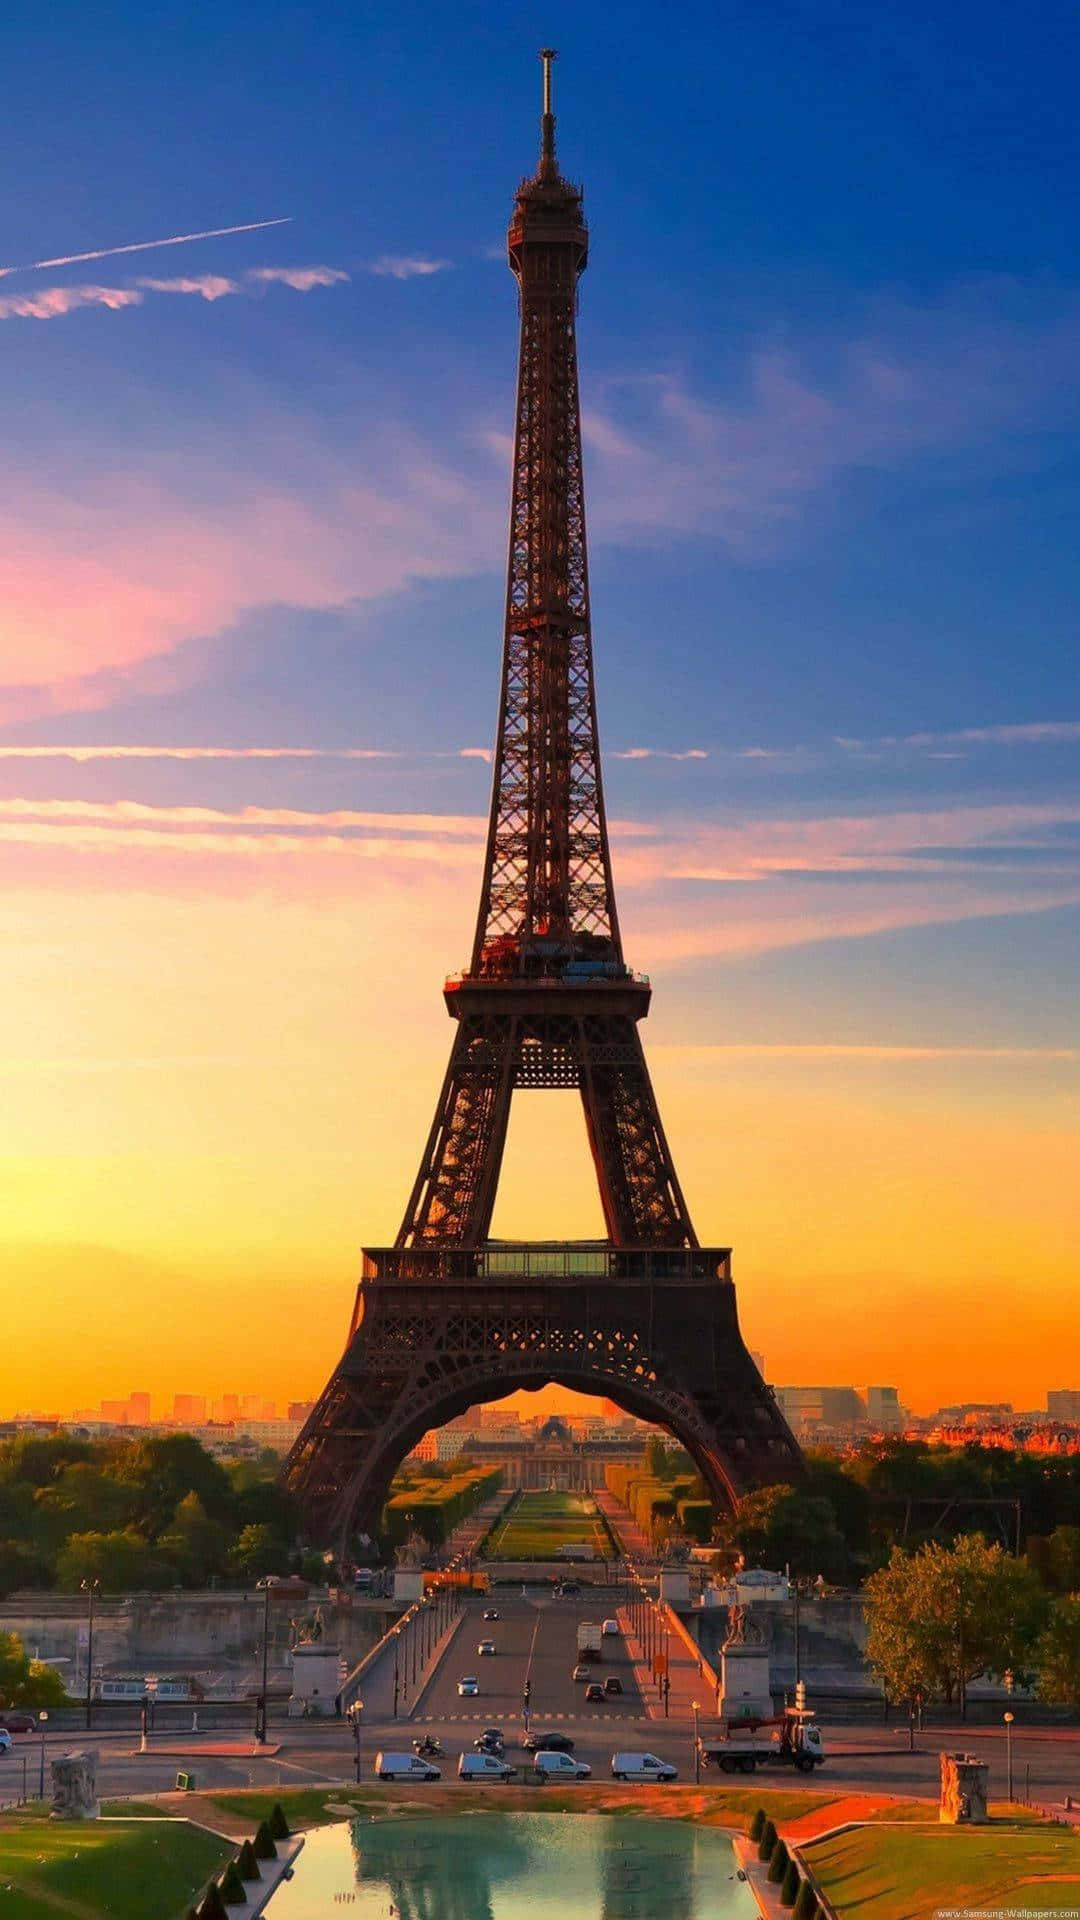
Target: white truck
(590, 1640)
(796, 1742)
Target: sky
(259, 345)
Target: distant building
(883, 1410)
(189, 1408)
(138, 1409)
(1063, 1403)
(808, 1408)
(299, 1409)
(758, 1360)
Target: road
(536, 1640)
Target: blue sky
(253, 496)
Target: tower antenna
(548, 168)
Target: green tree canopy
(945, 1613)
(257, 1551)
(786, 1526)
(124, 1561)
(24, 1682)
(163, 1468)
(1056, 1558)
(1057, 1653)
(196, 1545)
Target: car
(582, 1671)
(5, 1740)
(548, 1743)
(641, 1766)
(404, 1766)
(17, 1720)
(484, 1766)
(468, 1687)
(486, 1647)
(610, 1628)
(594, 1691)
(568, 1589)
(612, 1684)
(559, 1766)
(491, 1613)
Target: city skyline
(832, 467)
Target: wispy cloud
(144, 246)
(209, 286)
(51, 303)
(86, 753)
(408, 266)
(659, 753)
(1022, 733)
(300, 279)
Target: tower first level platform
(438, 1329)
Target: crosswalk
(547, 1719)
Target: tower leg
(454, 1195)
(639, 1189)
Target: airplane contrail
(144, 246)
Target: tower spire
(548, 168)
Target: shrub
(778, 1863)
(263, 1843)
(233, 1891)
(279, 1826)
(757, 1825)
(789, 1888)
(247, 1862)
(213, 1906)
(806, 1906)
(767, 1841)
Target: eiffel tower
(447, 1318)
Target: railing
(548, 1260)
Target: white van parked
(484, 1766)
(560, 1766)
(641, 1766)
(404, 1766)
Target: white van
(404, 1766)
(484, 1766)
(641, 1766)
(560, 1766)
(610, 1629)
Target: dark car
(613, 1684)
(594, 1691)
(491, 1613)
(568, 1590)
(548, 1743)
(16, 1720)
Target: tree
(22, 1566)
(196, 1545)
(941, 1617)
(785, 1526)
(257, 1551)
(123, 1561)
(1056, 1558)
(25, 1682)
(1057, 1653)
(163, 1469)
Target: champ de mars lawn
(538, 1524)
(908, 1872)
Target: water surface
(516, 1866)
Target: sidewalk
(686, 1672)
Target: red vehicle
(17, 1720)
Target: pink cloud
(51, 303)
(300, 279)
(209, 286)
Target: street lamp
(89, 1587)
(260, 1708)
(397, 1672)
(1008, 1749)
(42, 1718)
(355, 1712)
(695, 1710)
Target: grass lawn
(906, 1875)
(731, 1807)
(538, 1524)
(84, 1870)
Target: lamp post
(355, 1713)
(397, 1673)
(1008, 1749)
(42, 1718)
(260, 1709)
(89, 1587)
(798, 1636)
(695, 1710)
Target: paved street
(536, 1639)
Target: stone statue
(411, 1552)
(743, 1631)
(74, 1785)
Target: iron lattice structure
(547, 1001)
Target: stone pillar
(74, 1787)
(408, 1584)
(963, 1790)
(744, 1682)
(675, 1586)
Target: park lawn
(88, 1869)
(907, 1874)
(538, 1524)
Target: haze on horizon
(252, 547)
